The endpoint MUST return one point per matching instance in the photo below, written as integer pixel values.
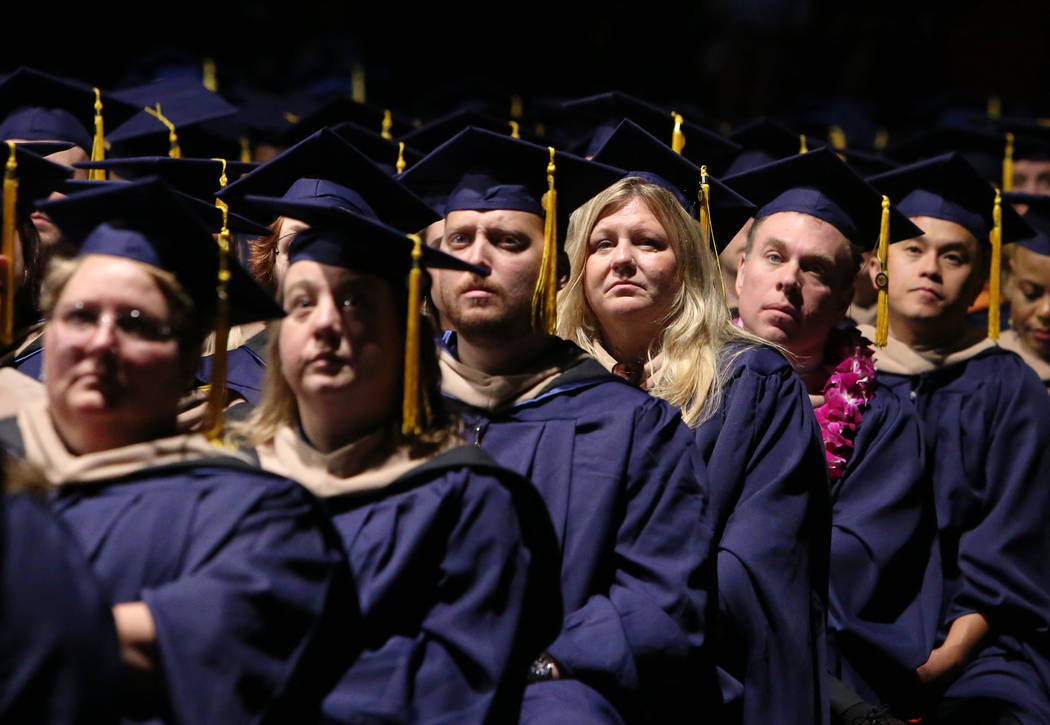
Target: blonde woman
(645, 299)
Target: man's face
(936, 276)
(1032, 177)
(50, 236)
(510, 245)
(795, 282)
(1029, 293)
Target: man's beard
(491, 323)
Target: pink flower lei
(850, 386)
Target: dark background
(731, 58)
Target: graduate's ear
(564, 269)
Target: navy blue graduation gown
(245, 368)
(881, 624)
(243, 575)
(617, 471)
(769, 496)
(456, 567)
(987, 426)
(59, 659)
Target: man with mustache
(986, 420)
(614, 465)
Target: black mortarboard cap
(432, 134)
(820, 184)
(335, 110)
(325, 167)
(38, 106)
(641, 154)
(762, 141)
(384, 152)
(948, 187)
(37, 177)
(146, 221)
(1037, 217)
(983, 149)
(483, 171)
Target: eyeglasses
(133, 324)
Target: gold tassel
(545, 296)
(882, 139)
(516, 106)
(246, 149)
(357, 83)
(704, 198)
(98, 143)
(677, 136)
(882, 279)
(291, 117)
(388, 123)
(210, 78)
(514, 129)
(995, 107)
(410, 400)
(8, 244)
(213, 419)
(1008, 163)
(802, 143)
(401, 163)
(173, 151)
(993, 275)
(837, 137)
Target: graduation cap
(391, 156)
(173, 115)
(38, 106)
(27, 178)
(325, 167)
(601, 114)
(643, 155)
(197, 179)
(950, 188)
(432, 134)
(340, 237)
(344, 108)
(1031, 137)
(483, 171)
(763, 141)
(989, 152)
(820, 184)
(147, 222)
(1037, 217)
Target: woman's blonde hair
(699, 340)
(277, 406)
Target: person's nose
(103, 335)
(787, 279)
(1043, 310)
(929, 266)
(479, 252)
(623, 261)
(327, 319)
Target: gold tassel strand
(802, 144)
(174, 151)
(213, 419)
(1008, 163)
(98, 143)
(388, 123)
(544, 297)
(996, 237)
(357, 83)
(8, 244)
(677, 135)
(401, 163)
(882, 279)
(515, 130)
(704, 197)
(410, 397)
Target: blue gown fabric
(59, 659)
(769, 500)
(986, 421)
(881, 622)
(245, 368)
(620, 479)
(244, 576)
(456, 565)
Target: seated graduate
(615, 466)
(986, 420)
(59, 661)
(454, 558)
(229, 590)
(795, 285)
(1028, 288)
(323, 168)
(645, 299)
(34, 178)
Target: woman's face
(631, 272)
(110, 356)
(341, 341)
(286, 230)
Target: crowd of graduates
(311, 412)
